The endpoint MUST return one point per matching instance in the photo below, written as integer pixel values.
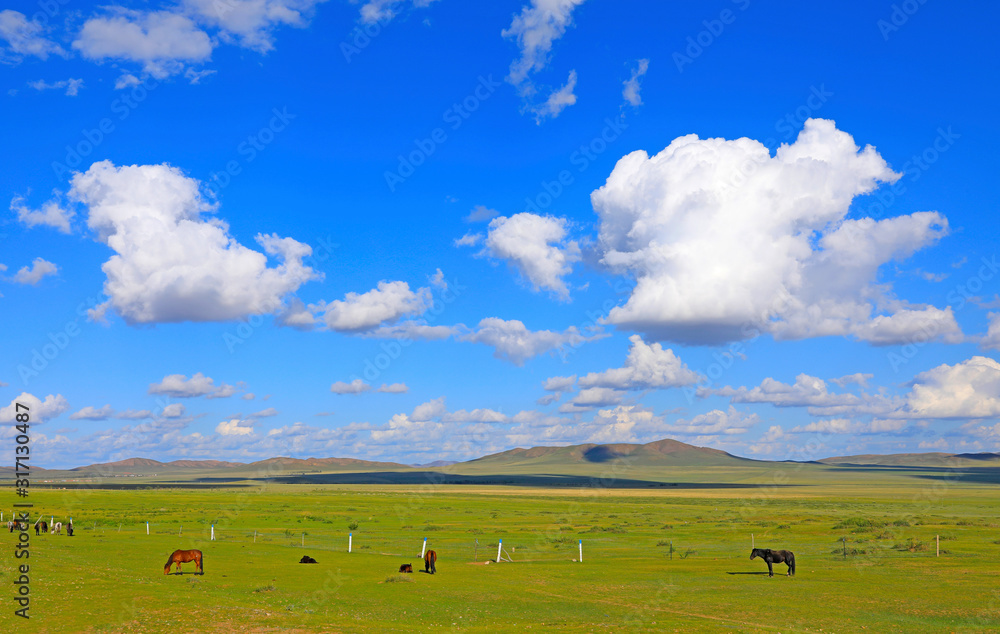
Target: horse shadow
(747, 573)
(193, 572)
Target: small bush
(784, 526)
(398, 579)
(268, 588)
(353, 526)
(911, 545)
(860, 524)
(900, 523)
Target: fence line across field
(389, 542)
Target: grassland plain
(669, 556)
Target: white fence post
(350, 541)
(581, 551)
(423, 549)
(213, 533)
(147, 528)
(499, 548)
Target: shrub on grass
(860, 524)
(398, 579)
(911, 545)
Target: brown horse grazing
(775, 557)
(429, 560)
(183, 556)
(406, 568)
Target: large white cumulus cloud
(726, 241)
(173, 264)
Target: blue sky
(421, 230)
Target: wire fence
(461, 544)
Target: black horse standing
(775, 557)
(430, 558)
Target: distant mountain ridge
(660, 452)
(666, 452)
(930, 459)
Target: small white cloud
(856, 378)
(646, 367)
(174, 410)
(429, 410)
(537, 247)
(51, 214)
(535, 29)
(970, 389)
(478, 415)
(383, 11)
(92, 413)
(559, 383)
(631, 86)
(38, 411)
(412, 330)
(557, 101)
(131, 414)
(72, 86)
(469, 240)
(33, 275)
(481, 213)
(20, 37)
(234, 427)
(437, 280)
(127, 80)
(992, 339)
(395, 388)
(513, 342)
(728, 422)
(297, 315)
(592, 397)
(162, 41)
(357, 386)
(179, 386)
(385, 304)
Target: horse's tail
(791, 562)
(201, 562)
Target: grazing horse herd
(41, 526)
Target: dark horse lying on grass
(183, 556)
(775, 557)
(429, 560)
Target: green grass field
(658, 558)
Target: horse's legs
(770, 570)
